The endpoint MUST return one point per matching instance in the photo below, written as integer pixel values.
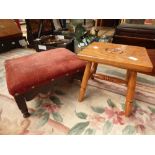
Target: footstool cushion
(25, 72)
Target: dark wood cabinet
(108, 22)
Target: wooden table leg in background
(94, 68)
(130, 92)
(84, 81)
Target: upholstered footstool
(29, 75)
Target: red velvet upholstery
(28, 71)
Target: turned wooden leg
(130, 92)
(84, 81)
(94, 68)
(21, 103)
(127, 76)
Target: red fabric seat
(28, 71)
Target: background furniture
(42, 34)
(10, 35)
(138, 35)
(135, 34)
(107, 22)
(42, 27)
(38, 27)
(54, 41)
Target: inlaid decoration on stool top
(119, 50)
(114, 50)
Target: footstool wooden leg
(94, 68)
(84, 81)
(130, 92)
(21, 103)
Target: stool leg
(127, 76)
(84, 81)
(94, 68)
(21, 103)
(130, 92)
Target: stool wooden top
(118, 55)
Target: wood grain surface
(123, 56)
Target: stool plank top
(123, 56)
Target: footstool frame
(43, 88)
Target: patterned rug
(59, 112)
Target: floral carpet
(59, 113)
